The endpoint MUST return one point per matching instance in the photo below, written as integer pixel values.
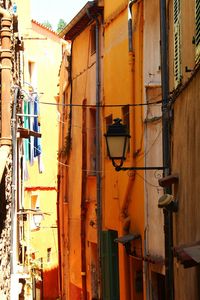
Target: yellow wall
(71, 173)
(122, 194)
(43, 52)
(44, 48)
(124, 191)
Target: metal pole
(168, 221)
(98, 151)
(14, 207)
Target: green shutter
(197, 31)
(109, 265)
(177, 44)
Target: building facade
(29, 187)
(184, 82)
(138, 230)
(77, 176)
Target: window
(48, 255)
(93, 39)
(197, 30)
(35, 204)
(92, 141)
(177, 43)
(32, 73)
(158, 286)
(126, 120)
(109, 120)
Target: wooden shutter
(110, 268)
(177, 43)
(197, 31)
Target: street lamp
(38, 216)
(117, 137)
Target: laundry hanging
(32, 145)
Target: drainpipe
(124, 217)
(130, 25)
(83, 204)
(5, 140)
(98, 154)
(98, 150)
(13, 251)
(59, 237)
(168, 220)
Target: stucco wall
(153, 129)
(186, 161)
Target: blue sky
(54, 10)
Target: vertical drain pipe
(13, 251)
(98, 154)
(168, 220)
(5, 140)
(83, 204)
(98, 150)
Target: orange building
(101, 210)
(36, 265)
(123, 192)
(77, 180)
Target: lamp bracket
(119, 168)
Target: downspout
(168, 220)
(83, 205)
(130, 25)
(13, 206)
(98, 151)
(124, 217)
(126, 200)
(98, 155)
(59, 237)
(5, 140)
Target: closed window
(126, 120)
(48, 254)
(177, 43)
(197, 30)
(93, 39)
(92, 141)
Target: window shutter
(197, 31)
(110, 268)
(177, 44)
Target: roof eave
(80, 21)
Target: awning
(26, 133)
(127, 238)
(188, 255)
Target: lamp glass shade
(117, 137)
(37, 218)
(117, 146)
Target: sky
(54, 10)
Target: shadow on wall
(2, 203)
(50, 284)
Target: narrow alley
(99, 152)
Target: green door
(110, 266)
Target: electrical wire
(94, 105)
(102, 105)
